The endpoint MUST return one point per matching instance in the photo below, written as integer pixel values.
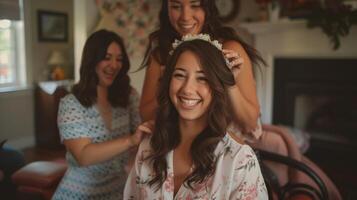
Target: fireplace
(289, 39)
(318, 95)
(315, 91)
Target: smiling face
(189, 90)
(108, 68)
(186, 16)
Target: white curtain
(10, 9)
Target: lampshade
(56, 58)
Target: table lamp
(56, 62)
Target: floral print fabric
(251, 136)
(237, 176)
(104, 180)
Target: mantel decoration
(228, 9)
(269, 10)
(334, 17)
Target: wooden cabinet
(47, 97)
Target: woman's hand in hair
(144, 128)
(235, 61)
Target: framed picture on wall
(52, 26)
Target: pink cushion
(42, 174)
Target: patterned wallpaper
(134, 20)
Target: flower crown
(201, 36)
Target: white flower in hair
(201, 36)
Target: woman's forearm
(245, 112)
(243, 94)
(93, 153)
(147, 110)
(148, 103)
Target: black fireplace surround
(316, 77)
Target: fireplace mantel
(272, 27)
(290, 38)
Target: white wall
(17, 123)
(17, 118)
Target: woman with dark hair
(190, 155)
(181, 17)
(95, 121)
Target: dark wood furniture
(46, 108)
(291, 190)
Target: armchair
(278, 140)
(39, 179)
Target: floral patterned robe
(237, 176)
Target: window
(12, 70)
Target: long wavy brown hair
(95, 50)
(162, 38)
(167, 137)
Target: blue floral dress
(105, 180)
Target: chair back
(290, 189)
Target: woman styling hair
(95, 122)
(181, 17)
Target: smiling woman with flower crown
(182, 17)
(190, 155)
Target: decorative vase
(263, 12)
(274, 11)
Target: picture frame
(52, 26)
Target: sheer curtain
(10, 9)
